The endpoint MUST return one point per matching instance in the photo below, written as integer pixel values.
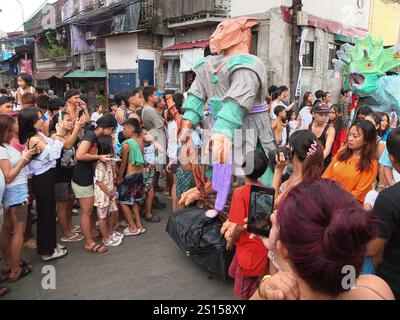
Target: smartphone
(60, 117)
(35, 145)
(261, 207)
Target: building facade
(323, 30)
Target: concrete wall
(343, 11)
(122, 52)
(319, 77)
(248, 7)
(385, 22)
(346, 12)
(202, 33)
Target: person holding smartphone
(42, 169)
(317, 231)
(250, 261)
(15, 199)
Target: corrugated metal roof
(187, 45)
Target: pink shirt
(15, 143)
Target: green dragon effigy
(365, 68)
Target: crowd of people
(336, 204)
(335, 179)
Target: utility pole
(295, 47)
(23, 24)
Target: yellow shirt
(351, 179)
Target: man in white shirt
(306, 117)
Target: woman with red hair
(318, 242)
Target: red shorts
(245, 286)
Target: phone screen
(261, 208)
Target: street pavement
(150, 266)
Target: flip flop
(25, 270)
(127, 232)
(4, 291)
(56, 255)
(96, 249)
(74, 238)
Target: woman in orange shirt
(355, 166)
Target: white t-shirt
(14, 156)
(172, 148)
(306, 117)
(96, 116)
(2, 187)
(292, 127)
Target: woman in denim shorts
(15, 200)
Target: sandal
(61, 246)
(117, 234)
(127, 232)
(4, 291)
(143, 230)
(97, 248)
(74, 238)
(153, 218)
(23, 263)
(58, 253)
(25, 270)
(76, 229)
(113, 242)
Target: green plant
(54, 51)
(101, 100)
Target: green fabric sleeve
(229, 118)
(194, 108)
(135, 154)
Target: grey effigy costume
(234, 90)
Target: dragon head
(363, 64)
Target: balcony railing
(220, 11)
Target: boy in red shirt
(250, 261)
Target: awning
(87, 74)
(341, 38)
(187, 45)
(45, 75)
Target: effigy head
(363, 64)
(232, 32)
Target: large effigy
(229, 85)
(366, 69)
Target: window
(333, 48)
(254, 43)
(308, 58)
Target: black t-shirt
(66, 164)
(387, 208)
(84, 170)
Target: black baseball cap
(320, 108)
(4, 100)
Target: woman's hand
(80, 122)
(281, 161)
(281, 286)
(28, 154)
(104, 158)
(271, 241)
(60, 130)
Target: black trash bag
(200, 238)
